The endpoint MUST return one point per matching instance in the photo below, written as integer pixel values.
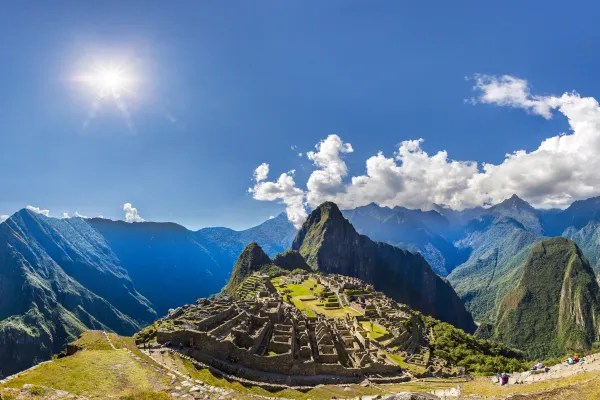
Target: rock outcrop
(329, 243)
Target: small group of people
(574, 360)
(502, 378)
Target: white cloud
(38, 210)
(562, 169)
(512, 92)
(299, 154)
(66, 215)
(284, 189)
(3, 218)
(271, 216)
(131, 213)
(261, 172)
(325, 182)
(79, 215)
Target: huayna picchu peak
(329, 243)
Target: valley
(328, 306)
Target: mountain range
(481, 251)
(61, 276)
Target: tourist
(539, 365)
(570, 361)
(576, 359)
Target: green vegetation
(251, 260)
(291, 260)
(374, 330)
(93, 340)
(479, 357)
(95, 373)
(306, 297)
(495, 265)
(553, 310)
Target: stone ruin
(258, 336)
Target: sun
(111, 84)
(109, 81)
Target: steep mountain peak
(329, 210)
(324, 225)
(553, 309)
(514, 201)
(250, 260)
(521, 211)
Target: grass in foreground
(97, 373)
(93, 340)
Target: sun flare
(110, 80)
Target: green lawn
(375, 330)
(398, 359)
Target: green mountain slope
(251, 260)
(499, 246)
(588, 240)
(61, 276)
(554, 308)
(425, 232)
(56, 279)
(329, 243)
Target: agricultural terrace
(311, 297)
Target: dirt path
(590, 363)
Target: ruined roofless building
(257, 335)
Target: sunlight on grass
(93, 340)
(94, 373)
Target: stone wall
(213, 319)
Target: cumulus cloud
(563, 168)
(3, 218)
(261, 173)
(38, 210)
(284, 190)
(131, 213)
(66, 215)
(512, 92)
(326, 181)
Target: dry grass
(99, 372)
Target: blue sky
(222, 87)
